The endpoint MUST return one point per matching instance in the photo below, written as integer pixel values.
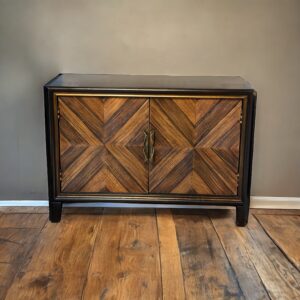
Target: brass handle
(152, 141)
(146, 146)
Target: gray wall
(257, 39)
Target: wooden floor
(149, 254)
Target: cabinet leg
(242, 213)
(55, 209)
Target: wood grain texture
(285, 212)
(284, 230)
(280, 277)
(207, 272)
(202, 255)
(233, 241)
(23, 220)
(59, 263)
(196, 146)
(24, 209)
(15, 245)
(101, 144)
(172, 277)
(125, 263)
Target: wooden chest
(149, 139)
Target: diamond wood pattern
(197, 145)
(101, 144)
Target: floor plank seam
(250, 259)
(159, 253)
(183, 277)
(276, 244)
(92, 253)
(255, 243)
(231, 267)
(253, 264)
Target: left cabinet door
(102, 144)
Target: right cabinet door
(196, 145)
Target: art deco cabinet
(149, 139)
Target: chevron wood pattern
(101, 144)
(196, 146)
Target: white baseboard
(275, 202)
(256, 202)
(23, 203)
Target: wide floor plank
(280, 278)
(172, 277)
(140, 254)
(263, 211)
(24, 209)
(285, 232)
(125, 262)
(15, 245)
(233, 241)
(59, 262)
(207, 272)
(22, 220)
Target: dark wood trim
(55, 210)
(149, 82)
(150, 198)
(243, 212)
(54, 101)
(50, 144)
(154, 92)
(52, 80)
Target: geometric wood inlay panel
(101, 144)
(197, 144)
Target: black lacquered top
(149, 82)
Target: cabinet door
(101, 144)
(197, 144)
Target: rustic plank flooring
(149, 254)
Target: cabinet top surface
(148, 82)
